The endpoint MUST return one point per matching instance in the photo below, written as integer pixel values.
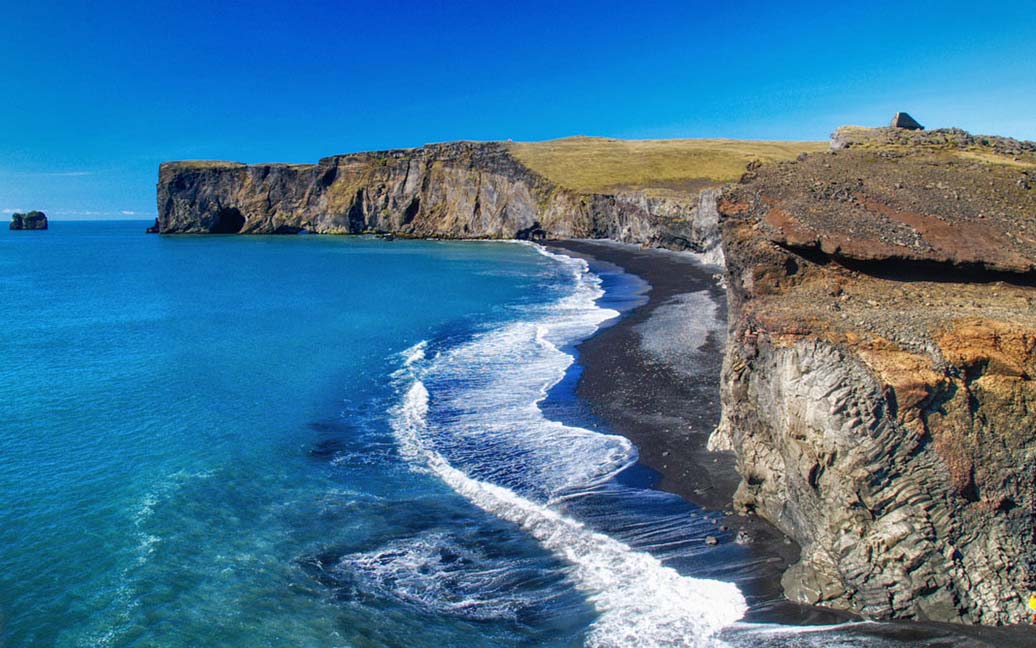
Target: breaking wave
(470, 415)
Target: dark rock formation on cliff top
(34, 220)
(903, 120)
(455, 190)
(879, 382)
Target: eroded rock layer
(456, 190)
(879, 379)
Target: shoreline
(668, 409)
(667, 403)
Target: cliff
(878, 380)
(470, 190)
(34, 220)
(878, 384)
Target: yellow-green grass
(601, 165)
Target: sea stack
(34, 220)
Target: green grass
(600, 165)
(204, 164)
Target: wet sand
(668, 404)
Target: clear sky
(93, 95)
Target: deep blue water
(323, 441)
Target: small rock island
(34, 220)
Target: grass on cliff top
(602, 165)
(223, 164)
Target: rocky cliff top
(893, 248)
(949, 140)
(880, 387)
(658, 193)
(944, 197)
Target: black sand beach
(667, 403)
(643, 382)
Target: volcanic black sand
(665, 399)
(669, 404)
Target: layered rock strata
(879, 383)
(455, 190)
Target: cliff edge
(878, 385)
(653, 193)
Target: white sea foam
(434, 571)
(121, 601)
(471, 416)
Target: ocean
(328, 441)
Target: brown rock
(878, 385)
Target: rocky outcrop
(455, 190)
(34, 220)
(879, 383)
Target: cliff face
(879, 379)
(457, 190)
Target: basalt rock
(878, 384)
(34, 220)
(455, 190)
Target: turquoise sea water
(188, 421)
(201, 442)
(324, 441)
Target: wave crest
(470, 414)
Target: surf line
(639, 600)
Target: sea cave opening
(229, 220)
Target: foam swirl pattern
(470, 414)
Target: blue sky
(94, 95)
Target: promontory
(878, 387)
